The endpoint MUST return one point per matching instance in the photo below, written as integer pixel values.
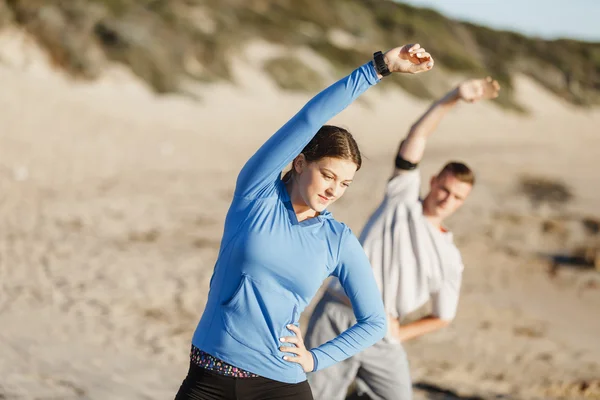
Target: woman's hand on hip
(410, 58)
(302, 356)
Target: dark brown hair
(330, 141)
(460, 171)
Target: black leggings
(201, 384)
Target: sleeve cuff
(444, 316)
(315, 361)
(371, 73)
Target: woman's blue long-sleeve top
(270, 265)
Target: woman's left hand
(303, 356)
(410, 58)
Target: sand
(112, 203)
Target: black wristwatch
(380, 64)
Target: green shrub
(155, 37)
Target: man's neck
(435, 221)
(432, 218)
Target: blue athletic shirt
(270, 265)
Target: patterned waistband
(206, 361)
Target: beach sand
(112, 202)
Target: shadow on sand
(434, 392)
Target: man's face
(446, 195)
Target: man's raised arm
(412, 147)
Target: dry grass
(542, 190)
(162, 41)
(292, 74)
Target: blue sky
(549, 19)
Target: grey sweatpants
(381, 371)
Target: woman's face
(322, 182)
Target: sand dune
(112, 203)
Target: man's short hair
(460, 171)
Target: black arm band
(401, 163)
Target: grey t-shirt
(413, 261)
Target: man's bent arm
(417, 328)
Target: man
(414, 261)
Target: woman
(279, 244)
